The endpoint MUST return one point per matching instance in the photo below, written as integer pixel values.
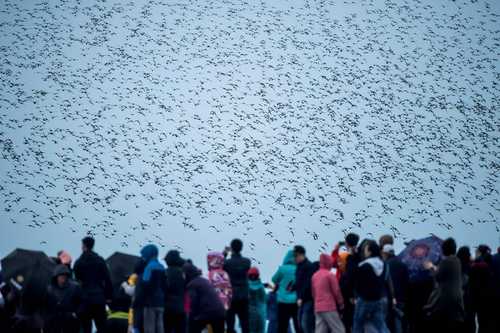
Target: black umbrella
(22, 265)
(121, 266)
(30, 269)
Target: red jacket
(325, 288)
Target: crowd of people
(359, 287)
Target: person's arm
(129, 290)
(335, 289)
(108, 286)
(194, 299)
(77, 271)
(277, 277)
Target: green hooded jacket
(285, 279)
(257, 306)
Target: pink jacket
(325, 287)
(219, 278)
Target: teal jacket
(257, 304)
(285, 279)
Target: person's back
(91, 271)
(174, 318)
(284, 278)
(152, 286)
(206, 307)
(237, 267)
(400, 278)
(219, 278)
(257, 302)
(327, 298)
(482, 288)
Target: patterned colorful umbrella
(419, 251)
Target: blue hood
(149, 252)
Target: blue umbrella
(419, 251)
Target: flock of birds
(269, 120)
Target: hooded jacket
(325, 288)
(257, 306)
(219, 278)
(237, 267)
(370, 279)
(63, 300)
(175, 285)
(152, 282)
(285, 279)
(205, 304)
(92, 272)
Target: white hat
(388, 248)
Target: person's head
(325, 261)
(371, 249)
(385, 239)
(190, 272)
(464, 255)
(253, 274)
(64, 258)
(61, 275)
(88, 244)
(173, 259)
(483, 251)
(387, 251)
(236, 246)
(149, 252)
(61, 280)
(351, 240)
(299, 253)
(449, 247)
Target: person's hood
(173, 259)
(149, 252)
(325, 261)
(61, 270)
(289, 258)
(255, 284)
(376, 263)
(191, 272)
(215, 260)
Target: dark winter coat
(370, 279)
(174, 294)
(151, 285)
(62, 304)
(446, 300)
(303, 275)
(495, 268)
(205, 304)
(91, 271)
(347, 279)
(63, 300)
(400, 278)
(237, 267)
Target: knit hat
(253, 273)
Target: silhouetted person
(63, 303)
(91, 271)
(237, 267)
